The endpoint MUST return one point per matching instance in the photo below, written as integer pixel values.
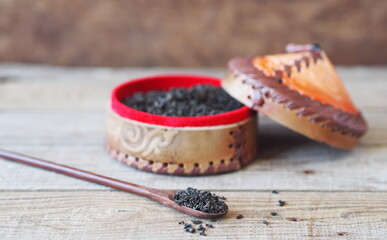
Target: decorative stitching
(265, 87)
(239, 145)
(174, 168)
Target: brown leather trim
(175, 168)
(265, 87)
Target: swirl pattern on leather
(140, 139)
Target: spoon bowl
(165, 197)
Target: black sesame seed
(274, 192)
(200, 228)
(295, 219)
(239, 217)
(181, 222)
(315, 47)
(202, 233)
(265, 222)
(222, 198)
(196, 221)
(209, 225)
(198, 100)
(187, 225)
(281, 203)
(203, 201)
(213, 220)
(190, 230)
(273, 213)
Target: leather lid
(302, 82)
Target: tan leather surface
(317, 80)
(234, 84)
(182, 150)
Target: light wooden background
(58, 114)
(187, 33)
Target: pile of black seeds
(198, 100)
(201, 228)
(203, 201)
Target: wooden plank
(284, 158)
(118, 215)
(187, 33)
(55, 136)
(59, 115)
(36, 87)
(87, 126)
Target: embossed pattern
(155, 148)
(140, 139)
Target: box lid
(299, 89)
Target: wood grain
(187, 33)
(70, 87)
(118, 215)
(59, 114)
(279, 166)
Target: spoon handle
(80, 174)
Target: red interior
(165, 82)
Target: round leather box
(179, 145)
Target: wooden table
(58, 114)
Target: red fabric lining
(165, 82)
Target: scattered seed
(342, 233)
(315, 47)
(187, 225)
(295, 219)
(265, 222)
(209, 225)
(181, 222)
(202, 233)
(196, 221)
(190, 230)
(239, 217)
(200, 228)
(274, 192)
(273, 213)
(309, 171)
(213, 220)
(281, 203)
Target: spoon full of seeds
(191, 201)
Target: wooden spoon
(164, 197)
